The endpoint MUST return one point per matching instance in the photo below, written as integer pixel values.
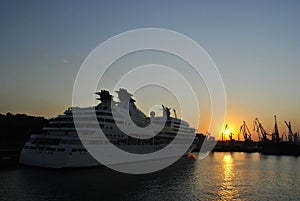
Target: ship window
(71, 141)
(45, 141)
(110, 120)
(100, 119)
(60, 149)
(93, 142)
(49, 149)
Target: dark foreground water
(220, 176)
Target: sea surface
(220, 176)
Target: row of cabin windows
(79, 150)
(98, 142)
(77, 141)
(54, 149)
(91, 119)
(114, 135)
(45, 141)
(82, 119)
(106, 127)
(71, 124)
(108, 113)
(40, 148)
(82, 125)
(104, 113)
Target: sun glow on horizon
(227, 131)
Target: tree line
(16, 129)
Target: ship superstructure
(59, 145)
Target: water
(220, 176)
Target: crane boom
(260, 129)
(244, 130)
(291, 134)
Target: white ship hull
(69, 159)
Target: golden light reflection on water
(227, 189)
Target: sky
(255, 45)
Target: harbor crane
(257, 126)
(291, 134)
(228, 132)
(275, 133)
(244, 130)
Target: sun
(227, 131)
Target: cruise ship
(61, 146)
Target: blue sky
(255, 45)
